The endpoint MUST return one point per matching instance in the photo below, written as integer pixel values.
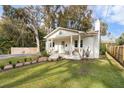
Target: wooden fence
(23, 50)
(116, 52)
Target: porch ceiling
(68, 36)
(65, 36)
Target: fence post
(123, 53)
(113, 51)
(118, 53)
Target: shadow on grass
(38, 74)
(105, 74)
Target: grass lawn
(66, 73)
(15, 59)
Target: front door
(62, 47)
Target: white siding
(91, 42)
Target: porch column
(52, 43)
(79, 39)
(46, 44)
(71, 45)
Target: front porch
(69, 47)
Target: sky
(112, 15)
(1, 10)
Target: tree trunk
(37, 38)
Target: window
(76, 43)
(53, 44)
(66, 45)
(81, 43)
(63, 43)
(50, 44)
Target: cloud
(99, 11)
(0, 17)
(111, 14)
(116, 14)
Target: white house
(72, 44)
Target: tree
(15, 29)
(33, 21)
(26, 20)
(51, 16)
(5, 43)
(103, 28)
(79, 19)
(120, 40)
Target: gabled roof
(70, 30)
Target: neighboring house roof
(108, 41)
(71, 30)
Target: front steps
(54, 56)
(65, 56)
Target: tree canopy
(120, 40)
(103, 28)
(75, 17)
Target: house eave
(72, 30)
(60, 28)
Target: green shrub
(14, 65)
(10, 62)
(2, 67)
(102, 49)
(18, 61)
(25, 60)
(44, 53)
(30, 59)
